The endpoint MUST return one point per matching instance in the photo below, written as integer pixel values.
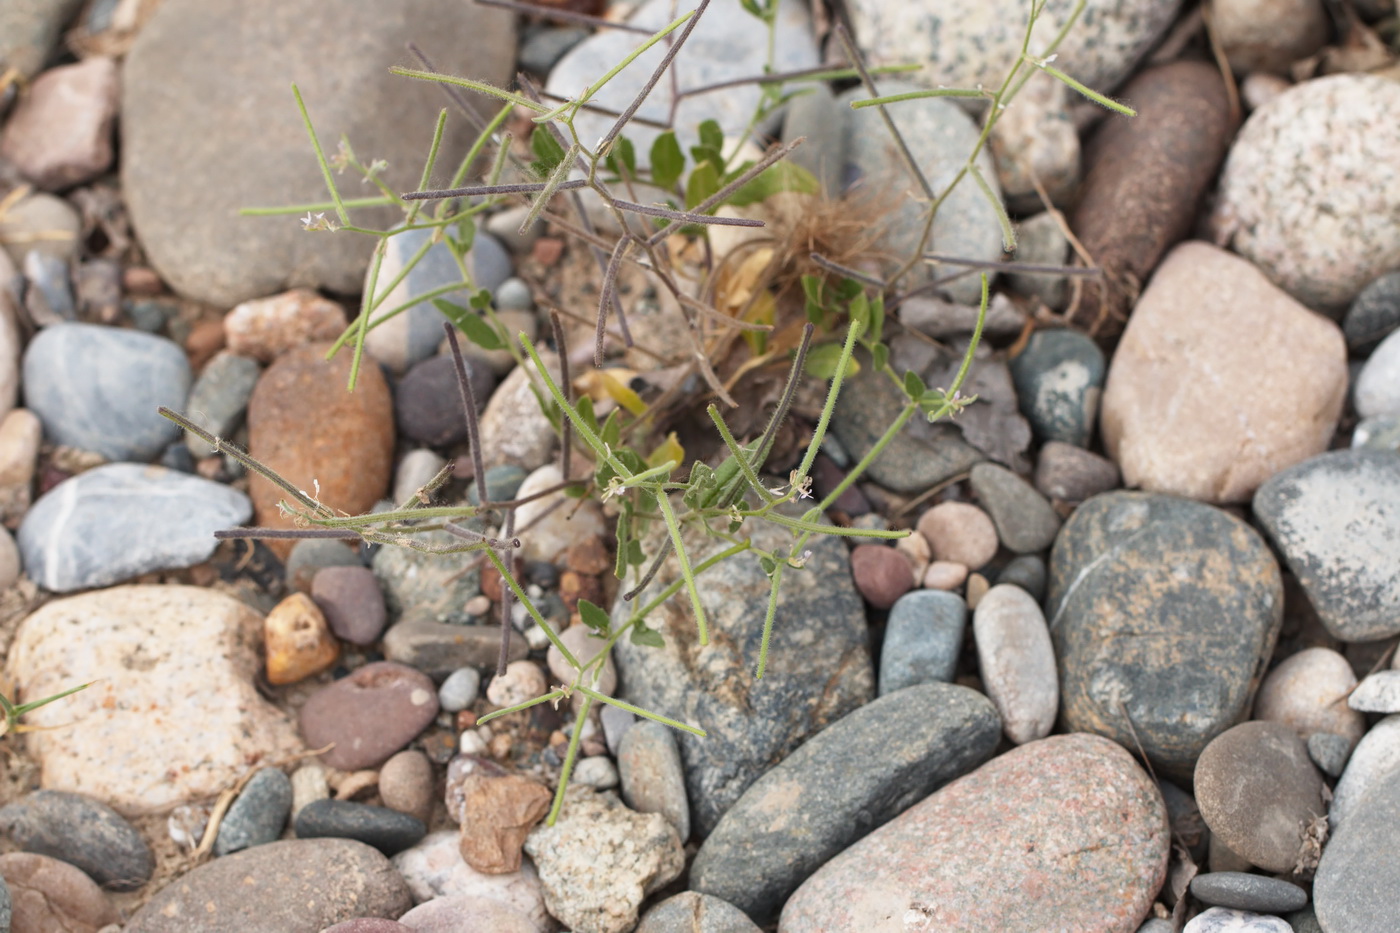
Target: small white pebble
(519, 616)
(522, 681)
(478, 605)
(460, 689)
(536, 638)
(534, 591)
(597, 771)
(471, 743)
(309, 784)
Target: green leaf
(611, 431)
(584, 407)
(647, 637)
(548, 152)
(880, 355)
(623, 155)
(703, 182)
(768, 564)
(783, 176)
(914, 386)
(634, 552)
(822, 360)
(477, 330)
(702, 483)
(812, 288)
(711, 136)
(594, 617)
(848, 289)
(466, 235)
(860, 311)
(667, 160)
(481, 300)
(877, 319)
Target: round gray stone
(1373, 314)
(1025, 521)
(97, 388)
(1163, 612)
(1059, 378)
(693, 912)
(923, 639)
(122, 520)
(83, 832)
(1333, 516)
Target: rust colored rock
(1144, 179)
(299, 642)
(498, 812)
(335, 445)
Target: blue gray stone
(1304, 921)
(854, 776)
(653, 781)
(502, 483)
(219, 399)
(122, 520)
(1379, 433)
(83, 832)
(1028, 572)
(616, 724)
(1330, 752)
(543, 48)
(1374, 313)
(1025, 521)
(693, 912)
(258, 815)
(1332, 517)
(514, 295)
(98, 388)
(940, 134)
(1163, 612)
(1059, 378)
(920, 455)
(820, 626)
(422, 585)
(387, 830)
(923, 639)
(1357, 888)
(1243, 891)
(414, 335)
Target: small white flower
(319, 222)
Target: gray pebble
(1025, 521)
(1359, 875)
(219, 398)
(514, 295)
(616, 722)
(258, 815)
(83, 832)
(693, 912)
(1379, 433)
(460, 689)
(923, 639)
(1378, 693)
(1373, 314)
(1028, 572)
(649, 764)
(1059, 377)
(544, 47)
(1329, 751)
(387, 830)
(1242, 891)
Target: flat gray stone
(1025, 521)
(857, 774)
(923, 639)
(1336, 518)
(122, 520)
(187, 166)
(97, 388)
(693, 912)
(258, 815)
(752, 725)
(438, 649)
(1357, 880)
(1243, 891)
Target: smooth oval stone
(219, 399)
(437, 649)
(258, 815)
(81, 831)
(122, 520)
(1332, 517)
(1358, 877)
(428, 401)
(1078, 794)
(881, 573)
(387, 830)
(1377, 389)
(1059, 376)
(97, 388)
(294, 884)
(820, 625)
(1373, 314)
(1241, 891)
(1224, 920)
(693, 912)
(466, 914)
(1028, 572)
(1258, 792)
(854, 776)
(923, 639)
(1375, 757)
(1305, 691)
(1330, 752)
(649, 766)
(351, 601)
(1073, 474)
(1017, 662)
(415, 469)
(369, 715)
(960, 532)
(51, 895)
(1025, 521)
(1381, 433)
(1163, 612)
(1279, 195)
(460, 689)
(1143, 185)
(406, 784)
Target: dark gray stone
(219, 398)
(420, 585)
(1164, 613)
(923, 639)
(1028, 572)
(940, 134)
(187, 167)
(1357, 880)
(693, 912)
(312, 555)
(1304, 921)
(920, 455)
(820, 626)
(387, 830)
(544, 47)
(1025, 521)
(1373, 314)
(1040, 241)
(1073, 474)
(857, 774)
(6, 911)
(1059, 377)
(98, 388)
(414, 335)
(438, 648)
(83, 832)
(1242, 891)
(428, 403)
(1333, 516)
(122, 520)
(1185, 818)
(258, 815)
(1329, 751)
(292, 886)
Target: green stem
(852, 334)
(637, 710)
(768, 621)
(509, 579)
(674, 528)
(569, 758)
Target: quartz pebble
(959, 532)
(298, 640)
(1017, 662)
(1224, 920)
(459, 690)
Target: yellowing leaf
(619, 392)
(669, 450)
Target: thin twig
(606, 295)
(854, 57)
(642, 95)
(832, 266)
(564, 15)
(472, 191)
(566, 433)
(770, 158)
(1024, 268)
(468, 395)
(507, 531)
(688, 217)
